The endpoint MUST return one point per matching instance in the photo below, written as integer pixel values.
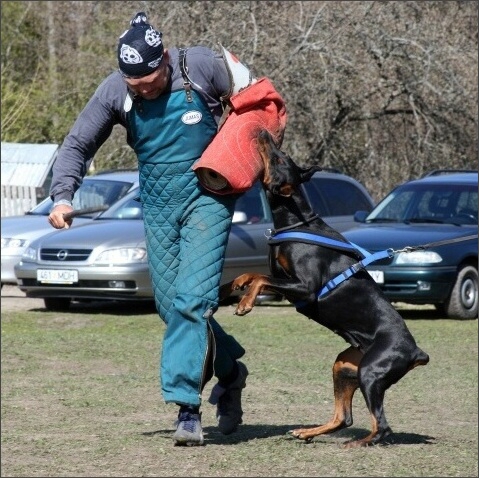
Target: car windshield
(428, 203)
(127, 208)
(92, 192)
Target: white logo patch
(152, 37)
(130, 55)
(128, 103)
(191, 117)
(155, 63)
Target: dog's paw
(294, 433)
(243, 310)
(299, 435)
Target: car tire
(57, 304)
(463, 301)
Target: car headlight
(13, 242)
(418, 257)
(123, 255)
(30, 254)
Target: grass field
(80, 397)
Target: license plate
(55, 276)
(378, 276)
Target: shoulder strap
(184, 74)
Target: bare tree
(382, 90)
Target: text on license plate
(378, 276)
(56, 276)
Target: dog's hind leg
(380, 429)
(373, 393)
(379, 369)
(345, 381)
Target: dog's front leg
(240, 283)
(255, 284)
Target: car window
(129, 207)
(394, 206)
(99, 193)
(467, 203)
(447, 204)
(438, 203)
(126, 209)
(92, 192)
(253, 206)
(334, 197)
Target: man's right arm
(90, 130)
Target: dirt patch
(14, 299)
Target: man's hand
(56, 218)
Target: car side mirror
(360, 216)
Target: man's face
(151, 86)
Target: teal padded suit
(186, 235)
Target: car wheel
(462, 303)
(57, 304)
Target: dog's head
(281, 174)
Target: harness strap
(315, 239)
(310, 238)
(350, 271)
(330, 285)
(184, 74)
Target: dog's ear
(306, 173)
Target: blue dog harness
(310, 238)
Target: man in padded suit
(170, 114)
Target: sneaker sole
(188, 443)
(185, 441)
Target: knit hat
(140, 49)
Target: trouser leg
(186, 275)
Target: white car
(19, 231)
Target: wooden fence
(17, 200)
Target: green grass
(80, 397)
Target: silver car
(107, 259)
(19, 231)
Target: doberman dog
(382, 349)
